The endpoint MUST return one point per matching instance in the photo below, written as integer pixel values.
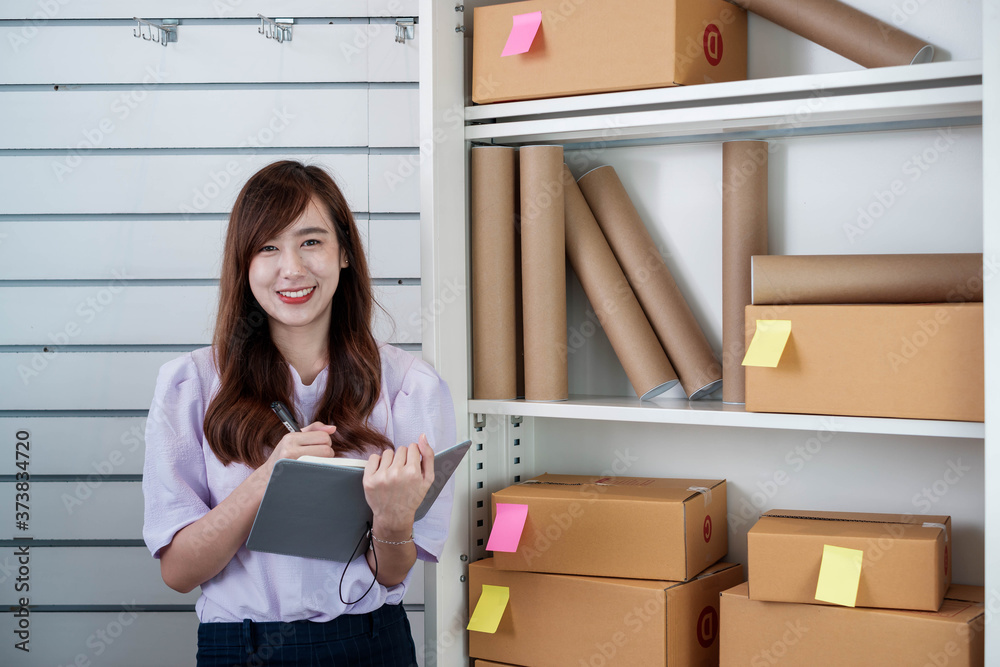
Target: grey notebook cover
(315, 510)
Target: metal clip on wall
(160, 33)
(280, 30)
(404, 30)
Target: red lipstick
(297, 299)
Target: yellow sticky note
(768, 343)
(489, 610)
(839, 575)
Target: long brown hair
(239, 424)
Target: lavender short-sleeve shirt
(183, 480)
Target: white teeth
(295, 295)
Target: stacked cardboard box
(588, 47)
(873, 360)
(609, 571)
(896, 606)
(868, 334)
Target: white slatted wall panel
(119, 161)
(126, 9)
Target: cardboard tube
(543, 274)
(607, 288)
(744, 234)
(844, 30)
(654, 286)
(491, 231)
(930, 278)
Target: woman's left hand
(396, 482)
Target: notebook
(316, 508)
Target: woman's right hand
(201, 550)
(313, 440)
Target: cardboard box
(557, 620)
(916, 361)
(633, 527)
(488, 663)
(607, 45)
(906, 561)
(806, 635)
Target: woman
(294, 325)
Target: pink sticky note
(522, 34)
(507, 527)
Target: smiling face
(294, 275)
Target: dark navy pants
(379, 639)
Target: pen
(285, 416)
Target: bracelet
(372, 535)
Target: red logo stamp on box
(708, 626)
(713, 44)
(707, 529)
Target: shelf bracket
(158, 33)
(280, 30)
(405, 30)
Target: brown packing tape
(609, 293)
(844, 30)
(930, 278)
(661, 299)
(744, 234)
(543, 274)
(855, 517)
(491, 213)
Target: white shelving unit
(877, 99)
(717, 413)
(516, 439)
